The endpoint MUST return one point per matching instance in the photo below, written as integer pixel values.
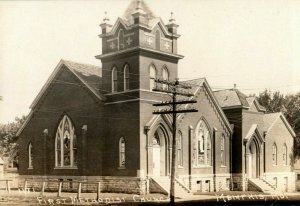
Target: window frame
(60, 137)
(223, 150)
(121, 44)
(274, 154)
(284, 155)
(114, 79)
(30, 156)
(179, 150)
(152, 78)
(166, 78)
(204, 140)
(126, 71)
(122, 153)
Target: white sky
(255, 44)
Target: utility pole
(174, 88)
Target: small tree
(8, 136)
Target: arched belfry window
(222, 148)
(165, 76)
(126, 77)
(179, 150)
(152, 75)
(203, 139)
(121, 39)
(157, 39)
(284, 155)
(274, 154)
(65, 144)
(114, 79)
(122, 146)
(30, 156)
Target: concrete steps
(261, 185)
(181, 191)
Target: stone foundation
(239, 182)
(281, 178)
(206, 183)
(129, 185)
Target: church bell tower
(136, 49)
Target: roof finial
(172, 19)
(138, 5)
(234, 85)
(106, 19)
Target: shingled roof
(231, 98)
(89, 74)
(127, 16)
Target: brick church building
(96, 124)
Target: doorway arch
(253, 159)
(160, 152)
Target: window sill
(66, 168)
(223, 166)
(274, 165)
(121, 168)
(180, 167)
(30, 168)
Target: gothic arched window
(223, 153)
(152, 75)
(126, 77)
(122, 159)
(121, 39)
(274, 154)
(179, 150)
(284, 156)
(165, 76)
(30, 156)
(65, 144)
(157, 40)
(203, 138)
(114, 79)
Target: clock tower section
(136, 49)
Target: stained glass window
(65, 144)
(203, 144)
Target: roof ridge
(75, 62)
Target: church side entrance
(159, 158)
(253, 160)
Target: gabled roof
(253, 100)
(253, 130)
(202, 82)
(89, 75)
(272, 118)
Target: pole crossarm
(170, 103)
(178, 111)
(174, 91)
(175, 88)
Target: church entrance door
(159, 154)
(156, 160)
(253, 161)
